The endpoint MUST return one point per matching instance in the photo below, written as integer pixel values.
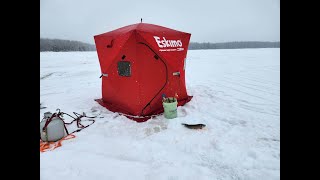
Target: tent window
(124, 68)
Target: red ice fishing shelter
(139, 63)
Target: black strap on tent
(110, 45)
(156, 57)
(104, 74)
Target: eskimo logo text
(164, 43)
(167, 43)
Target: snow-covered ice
(236, 93)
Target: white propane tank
(54, 131)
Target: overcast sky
(206, 20)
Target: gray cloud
(206, 20)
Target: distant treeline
(58, 45)
(234, 45)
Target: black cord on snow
(77, 119)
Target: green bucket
(170, 108)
